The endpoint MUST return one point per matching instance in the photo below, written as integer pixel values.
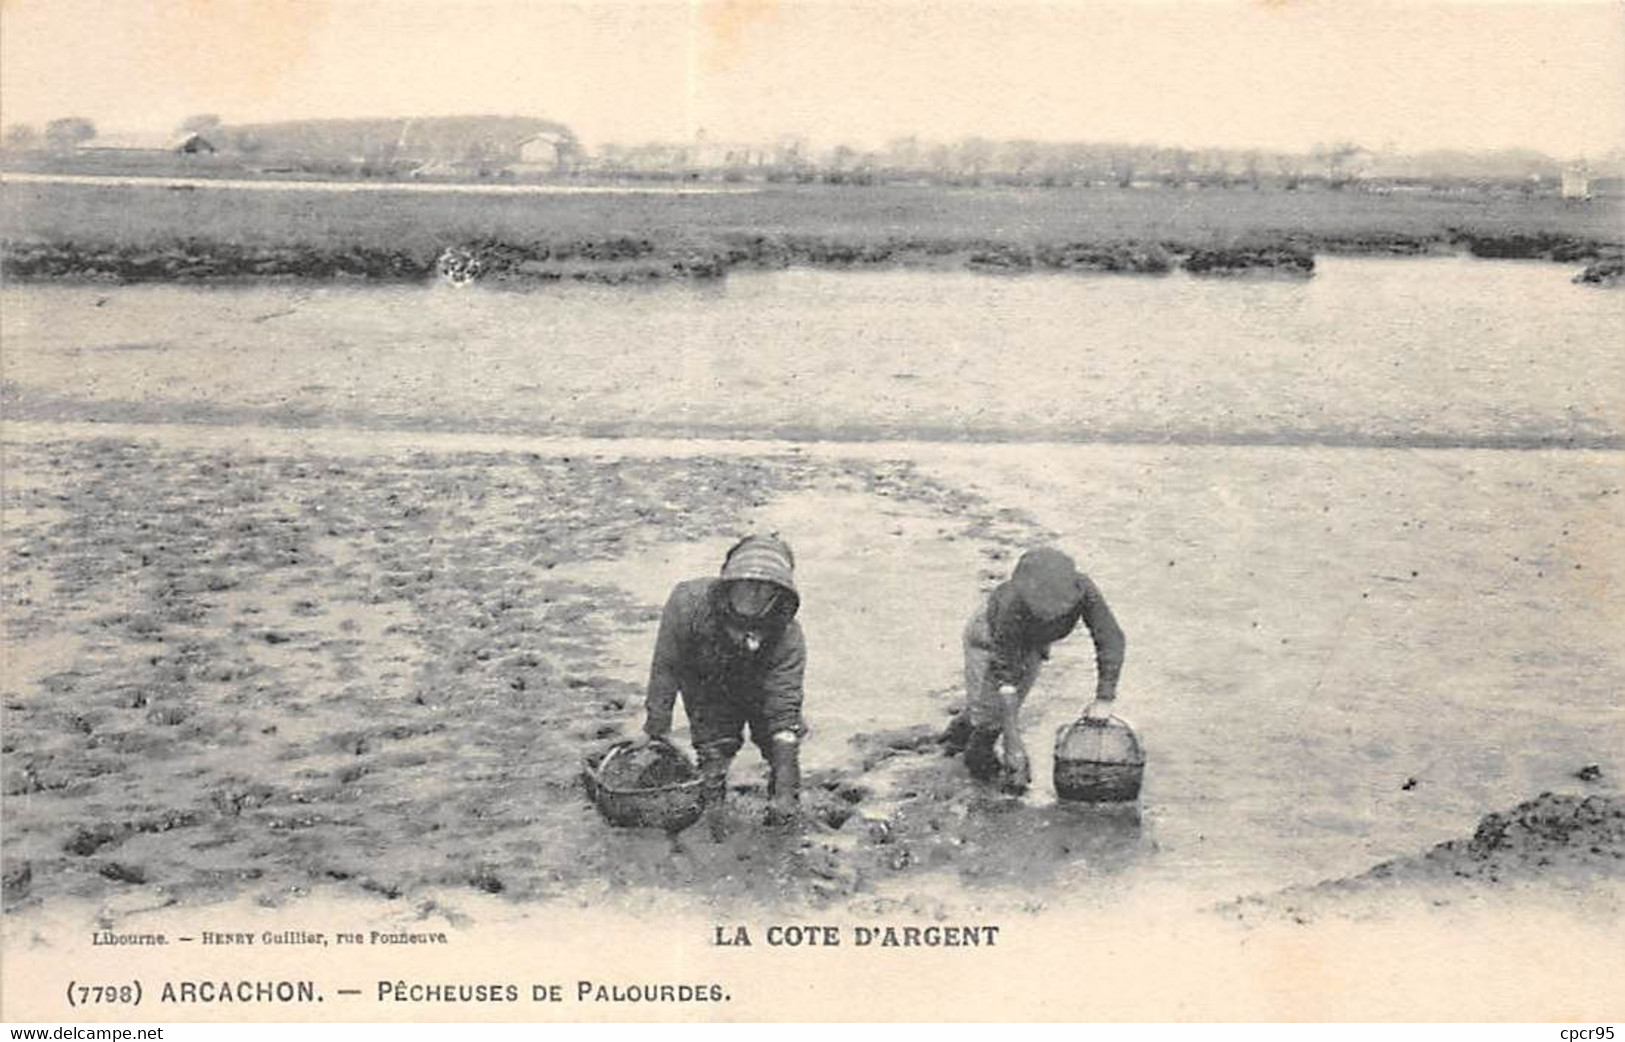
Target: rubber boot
(714, 792)
(955, 737)
(783, 782)
(982, 762)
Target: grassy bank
(138, 232)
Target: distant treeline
(502, 146)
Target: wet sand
(276, 666)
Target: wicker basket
(1098, 762)
(672, 806)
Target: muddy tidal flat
(286, 666)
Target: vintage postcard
(791, 510)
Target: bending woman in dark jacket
(732, 647)
(1008, 639)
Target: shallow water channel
(1440, 351)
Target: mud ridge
(1553, 842)
(1605, 271)
(617, 260)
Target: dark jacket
(1040, 605)
(694, 655)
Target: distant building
(193, 144)
(546, 152)
(1576, 183)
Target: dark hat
(1047, 581)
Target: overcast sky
(1269, 73)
